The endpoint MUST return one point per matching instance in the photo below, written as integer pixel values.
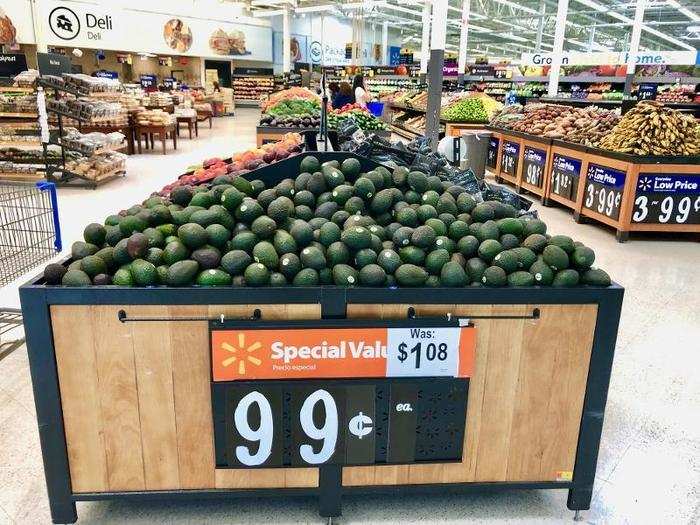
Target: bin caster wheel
(622, 236)
(578, 516)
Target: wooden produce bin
(510, 158)
(634, 193)
(454, 129)
(129, 415)
(535, 164)
(493, 155)
(129, 407)
(265, 134)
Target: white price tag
(423, 352)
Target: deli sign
(66, 24)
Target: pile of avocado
(329, 225)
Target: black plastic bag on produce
(467, 179)
(348, 130)
(494, 192)
(429, 164)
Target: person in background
(217, 86)
(360, 92)
(344, 96)
(333, 90)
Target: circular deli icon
(316, 51)
(64, 23)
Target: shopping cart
(29, 235)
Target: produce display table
(204, 116)
(125, 408)
(454, 129)
(265, 134)
(169, 108)
(136, 397)
(162, 131)
(127, 131)
(627, 192)
(191, 125)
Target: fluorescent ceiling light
(315, 9)
(684, 10)
(600, 8)
(258, 3)
(263, 14)
(472, 15)
(511, 36)
(363, 5)
(517, 6)
(516, 26)
(693, 29)
(593, 5)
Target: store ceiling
(508, 28)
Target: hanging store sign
(662, 198)
(102, 73)
(148, 81)
(53, 64)
(574, 58)
(394, 55)
(12, 64)
(108, 26)
(481, 70)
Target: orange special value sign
(320, 353)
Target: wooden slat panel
(525, 384)
(192, 394)
(503, 348)
(82, 418)
(118, 399)
(565, 405)
(154, 378)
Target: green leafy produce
(465, 110)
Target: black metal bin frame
(37, 300)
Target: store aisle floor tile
(648, 470)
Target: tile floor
(649, 464)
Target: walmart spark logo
(645, 184)
(240, 354)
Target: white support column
(591, 37)
(385, 44)
(286, 42)
(559, 28)
(540, 27)
(634, 44)
(425, 39)
(463, 37)
(39, 37)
